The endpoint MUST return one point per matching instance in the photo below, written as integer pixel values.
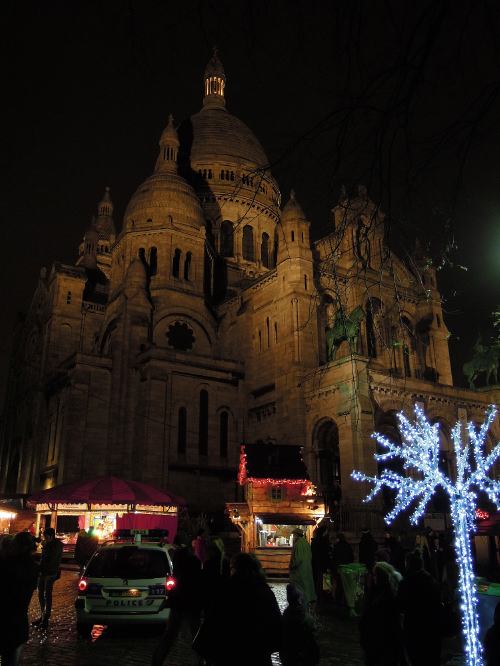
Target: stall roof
(272, 461)
(106, 490)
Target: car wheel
(83, 629)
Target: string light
(419, 452)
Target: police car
(126, 581)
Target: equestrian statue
(344, 327)
(486, 359)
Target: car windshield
(129, 562)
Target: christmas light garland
(419, 453)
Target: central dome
(219, 135)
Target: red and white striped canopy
(106, 490)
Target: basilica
(208, 318)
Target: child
(299, 644)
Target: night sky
(403, 97)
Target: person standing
(81, 550)
(299, 647)
(301, 572)
(50, 564)
(367, 549)
(245, 603)
(320, 558)
(419, 601)
(199, 545)
(492, 640)
(18, 579)
(379, 627)
(185, 600)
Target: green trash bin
(353, 583)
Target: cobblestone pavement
(133, 646)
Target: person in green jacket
(301, 566)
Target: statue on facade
(486, 359)
(342, 327)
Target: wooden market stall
(279, 497)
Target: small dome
(165, 194)
(161, 195)
(292, 212)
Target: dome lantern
(105, 206)
(169, 148)
(214, 82)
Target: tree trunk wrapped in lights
(419, 453)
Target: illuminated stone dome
(221, 154)
(218, 135)
(165, 196)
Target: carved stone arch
(103, 344)
(183, 330)
(327, 462)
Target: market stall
(106, 504)
(278, 497)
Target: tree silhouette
(419, 453)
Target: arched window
(142, 255)
(223, 434)
(182, 431)
(176, 264)
(264, 250)
(248, 251)
(153, 261)
(227, 239)
(275, 248)
(293, 236)
(187, 265)
(268, 330)
(203, 424)
(328, 461)
(386, 424)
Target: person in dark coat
(18, 580)
(367, 549)
(419, 601)
(396, 552)
(380, 628)
(245, 604)
(492, 640)
(50, 564)
(320, 558)
(342, 553)
(299, 646)
(185, 600)
(80, 550)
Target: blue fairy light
(419, 453)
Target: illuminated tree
(419, 454)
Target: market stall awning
(108, 491)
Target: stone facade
(211, 320)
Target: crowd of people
(20, 575)
(227, 611)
